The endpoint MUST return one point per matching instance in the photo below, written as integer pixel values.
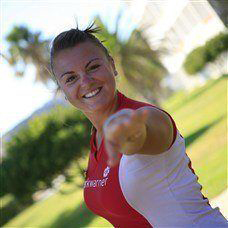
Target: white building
(180, 26)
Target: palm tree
(137, 63)
(25, 48)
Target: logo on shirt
(106, 171)
(95, 183)
(98, 183)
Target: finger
(112, 152)
(113, 163)
(114, 133)
(117, 116)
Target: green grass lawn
(200, 117)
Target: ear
(113, 65)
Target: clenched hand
(124, 132)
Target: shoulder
(162, 115)
(134, 104)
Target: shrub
(197, 59)
(215, 46)
(42, 150)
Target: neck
(99, 117)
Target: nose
(86, 80)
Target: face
(86, 76)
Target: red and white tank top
(147, 190)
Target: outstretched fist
(124, 132)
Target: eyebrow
(70, 72)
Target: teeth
(91, 94)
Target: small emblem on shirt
(106, 171)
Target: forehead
(79, 53)
(77, 57)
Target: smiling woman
(138, 173)
(84, 72)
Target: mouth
(92, 93)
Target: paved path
(221, 201)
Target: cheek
(112, 81)
(70, 90)
(108, 77)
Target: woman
(138, 173)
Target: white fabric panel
(165, 191)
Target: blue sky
(20, 97)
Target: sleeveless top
(148, 190)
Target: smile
(93, 93)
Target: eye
(71, 78)
(94, 67)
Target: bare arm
(159, 134)
(146, 130)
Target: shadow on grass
(198, 93)
(191, 138)
(80, 217)
(9, 211)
